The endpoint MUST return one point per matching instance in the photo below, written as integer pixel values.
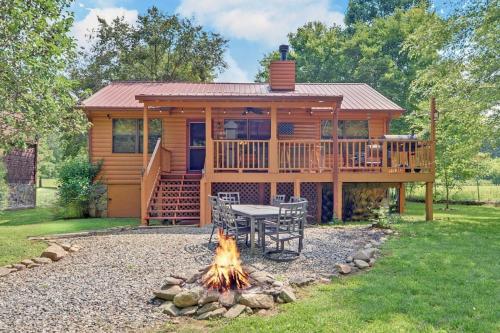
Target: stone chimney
(282, 72)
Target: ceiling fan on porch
(252, 110)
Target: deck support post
(337, 185)
(145, 132)
(429, 214)
(296, 188)
(273, 141)
(401, 198)
(274, 189)
(205, 209)
(319, 202)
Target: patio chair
(288, 226)
(277, 199)
(235, 226)
(217, 220)
(296, 199)
(232, 197)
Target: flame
(226, 271)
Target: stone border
(55, 252)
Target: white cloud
(234, 73)
(259, 20)
(89, 22)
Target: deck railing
(316, 156)
(241, 155)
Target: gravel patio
(108, 285)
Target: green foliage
(76, 186)
(35, 95)
(158, 47)
(367, 10)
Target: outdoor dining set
(280, 222)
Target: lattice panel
(250, 193)
(286, 189)
(20, 165)
(308, 191)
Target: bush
(4, 188)
(76, 185)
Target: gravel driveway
(107, 286)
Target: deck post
(337, 185)
(205, 209)
(145, 129)
(401, 198)
(209, 146)
(274, 189)
(296, 188)
(429, 215)
(319, 202)
(273, 141)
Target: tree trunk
(477, 184)
(447, 188)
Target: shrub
(4, 188)
(76, 185)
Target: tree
(35, 95)
(367, 10)
(158, 47)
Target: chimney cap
(284, 48)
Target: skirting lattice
(250, 193)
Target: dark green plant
(4, 189)
(76, 181)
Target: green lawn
(441, 276)
(487, 193)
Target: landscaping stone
(235, 311)
(213, 314)
(287, 295)
(361, 255)
(209, 296)
(349, 259)
(301, 281)
(370, 252)
(228, 299)
(257, 301)
(4, 271)
(65, 246)
(42, 261)
(27, 262)
(343, 268)
(187, 298)
(33, 265)
(208, 307)
(171, 281)
(261, 277)
(18, 267)
(193, 278)
(361, 264)
(170, 309)
(74, 248)
(371, 262)
(277, 284)
(189, 311)
(168, 294)
(54, 252)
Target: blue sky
(253, 27)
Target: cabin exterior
(259, 139)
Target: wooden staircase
(176, 199)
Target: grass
(16, 226)
(487, 193)
(440, 276)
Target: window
(348, 129)
(251, 129)
(127, 135)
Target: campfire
(226, 272)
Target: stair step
(176, 198)
(173, 218)
(175, 211)
(173, 192)
(164, 205)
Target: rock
(257, 301)
(325, 280)
(171, 281)
(193, 278)
(74, 248)
(248, 269)
(170, 309)
(189, 311)
(261, 312)
(54, 252)
(235, 311)
(228, 299)
(65, 246)
(287, 295)
(33, 265)
(370, 252)
(343, 268)
(42, 261)
(209, 296)
(262, 277)
(214, 314)
(371, 262)
(168, 294)
(367, 246)
(27, 262)
(18, 267)
(388, 231)
(278, 284)
(361, 255)
(179, 276)
(301, 281)
(187, 298)
(361, 264)
(208, 307)
(4, 271)
(349, 259)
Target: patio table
(255, 213)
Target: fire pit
(224, 288)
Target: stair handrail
(149, 179)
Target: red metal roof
(356, 96)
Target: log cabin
(313, 140)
